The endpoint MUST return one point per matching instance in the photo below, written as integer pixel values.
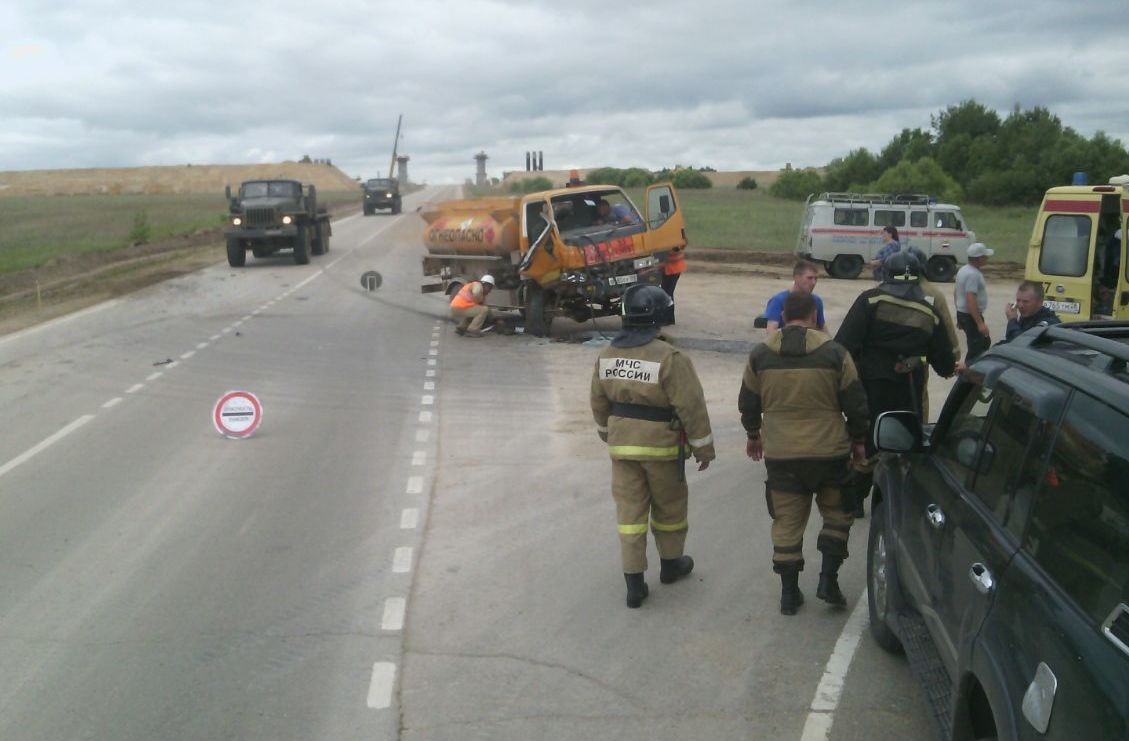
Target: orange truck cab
(569, 252)
(1077, 251)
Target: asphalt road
(417, 543)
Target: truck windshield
(595, 212)
(271, 190)
(379, 184)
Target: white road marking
(817, 727)
(245, 319)
(214, 337)
(154, 376)
(380, 686)
(112, 402)
(431, 361)
(419, 457)
(409, 519)
(48, 442)
(201, 345)
(435, 343)
(60, 320)
(427, 400)
(227, 329)
(307, 280)
(429, 385)
(422, 435)
(429, 374)
(415, 483)
(433, 351)
(394, 608)
(425, 416)
(135, 388)
(402, 560)
(173, 364)
(187, 355)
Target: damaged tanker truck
(569, 252)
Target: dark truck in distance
(272, 215)
(381, 193)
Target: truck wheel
(302, 246)
(396, 206)
(941, 269)
(846, 266)
(236, 254)
(538, 318)
(316, 244)
(883, 593)
(368, 211)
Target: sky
(727, 84)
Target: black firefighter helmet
(903, 265)
(646, 306)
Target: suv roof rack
(900, 199)
(1107, 340)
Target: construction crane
(395, 143)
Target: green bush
(604, 176)
(689, 179)
(141, 232)
(796, 185)
(637, 177)
(530, 185)
(747, 183)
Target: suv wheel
(882, 591)
(236, 254)
(940, 269)
(846, 266)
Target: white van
(844, 231)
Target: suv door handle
(981, 578)
(935, 516)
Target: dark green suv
(381, 193)
(999, 544)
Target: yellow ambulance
(1077, 251)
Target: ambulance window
(852, 217)
(889, 218)
(1066, 245)
(947, 220)
(918, 218)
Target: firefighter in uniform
(797, 388)
(887, 330)
(468, 307)
(650, 409)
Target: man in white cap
(469, 308)
(971, 298)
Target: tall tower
(402, 169)
(480, 173)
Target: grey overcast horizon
(731, 85)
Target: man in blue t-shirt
(804, 277)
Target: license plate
(645, 262)
(621, 280)
(1062, 307)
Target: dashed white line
(415, 484)
(433, 351)
(394, 608)
(402, 560)
(409, 519)
(419, 457)
(427, 400)
(214, 337)
(817, 727)
(154, 376)
(425, 416)
(429, 385)
(422, 436)
(56, 437)
(171, 365)
(187, 355)
(429, 374)
(431, 361)
(380, 686)
(135, 388)
(435, 343)
(112, 402)
(201, 345)
(245, 319)
(227, 329)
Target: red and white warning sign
(237, 414)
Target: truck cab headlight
(236, 221)
(286, 219)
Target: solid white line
(429, 385)
(154, 376)
(112, 402)
(187, 355)
(60, 320)
(427, 400)
(402, 560)
(409, 518)
(415, 484)
(135, 388)
(425, 416)
(380, 687)
(817, 727)
(422, 435)
(48, 442)
(419, 457)
(394, 608)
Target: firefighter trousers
(788, 492)
(649, 493)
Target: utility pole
(395, 143)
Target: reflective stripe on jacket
(675, 262)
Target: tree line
(970, 154)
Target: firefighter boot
(636, 589)
(828, 589)
(674, 569)
(790, 595)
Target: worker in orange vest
(674, 267)
(469, 308)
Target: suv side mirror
(897, 432)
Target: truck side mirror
(664, 205)
(227, 192)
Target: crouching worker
(650, 410)
(469, 308)
(798, 386)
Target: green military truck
(268, 216)
(381, 193)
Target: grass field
(39, 229)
